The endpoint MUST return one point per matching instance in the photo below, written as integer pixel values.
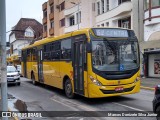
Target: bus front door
(40, 66)
(78, 67)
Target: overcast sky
(16, 9)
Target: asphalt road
(45, 98)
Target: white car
(13, 75)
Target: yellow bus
(92, 62)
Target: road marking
(87, 108)
(128, 106)
(83, 107)
(63, 104)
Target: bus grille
(114, 92)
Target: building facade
(23, 33)
(62, 16)
(151, 44)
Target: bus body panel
(29, 68)
(51, 73)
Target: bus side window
(66, 49)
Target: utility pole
(4, 96)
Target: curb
(147, 88)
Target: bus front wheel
(68, 89)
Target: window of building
(29, 34)
(107, 24)
(62, 22)
(102, 24)
(98, 8)
(71, 21)
(125, 23)
(45, 13)
(45, 28)
(98, 25)
(66, 49)
(121, 1)
(102, 3)
(52, 8)
(78, 16)
(52, 24)
(107, 5)
(62, 6)
(146, 4)
(155, 3)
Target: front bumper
(107, 91)
(13, 80)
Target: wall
(12, 38)
(153, 25)
(88, 14)
(137, 19)
(115, 13)
(18, 45)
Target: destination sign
(107, 32)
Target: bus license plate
(118, 88)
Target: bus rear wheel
(68, 89)
(33, 79)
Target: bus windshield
(115, 55)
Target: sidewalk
(149, 83)
(10, 97)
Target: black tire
(158, 112)
(68, 89)
(33, 79)
(19, 83)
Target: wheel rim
(68, 89)
(33, 81)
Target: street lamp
(78, 12)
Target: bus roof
(54, 38)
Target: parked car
(156, 101)
(19, 69)
(13, 75)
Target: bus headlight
(95, 81)
(137, 79)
